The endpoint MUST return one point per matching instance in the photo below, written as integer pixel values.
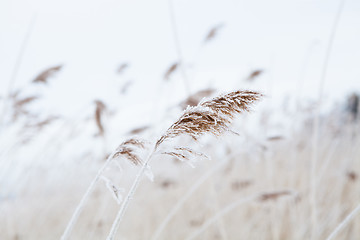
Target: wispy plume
(213, 32)
(46, 74)
(171, 71)
(211, 116)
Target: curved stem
(344, 222)
(17, 66)
(185, 197)
(315, 137)
(85, 198)
(178, 47)
(125, 204)
(220, 214)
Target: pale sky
(287, 39)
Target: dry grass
(47, 73)
(249, 170)
(258, 187)
(99, 110)
(212, 116)
(171, 70)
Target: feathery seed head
(211, 116)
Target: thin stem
(16, 69)
(178, 48)
(344, 222)
(85, 198)
(185, 197)
(315, 139)
(125, 204)
(220, 214)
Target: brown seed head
(43, 76)
(195, 98)
(212, 116)
(274, 195)
(255, 74)
(127, 149)
(232, 103)
(100, 107)
(170, 71)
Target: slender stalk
(178, 47)
(125, 204)
(221, 213)
(85, 198)
(185, 197)
(17, 66)
(344, 222)
(315, 139)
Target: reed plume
(46, 74)
(100, 108)
(125, 149)
(122, 68)
(170, 71)
(254, 75)
(195, 98)
(212, 116)
(213, 32)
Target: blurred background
(79, 77)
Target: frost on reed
(127, 149)
(212, 116)
(209, 116)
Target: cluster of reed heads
(213, 116)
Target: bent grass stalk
(185, 197)
(125, 204)
(344, 222)
(84, 199)
(260, 197)
(315, 137)
(220, 214)
(123, 150)
(212, 116)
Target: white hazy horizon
(91, 39)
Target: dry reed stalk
(213, 32)
(17, 67)
(195, 98)
(178, 46)
(231, 207)
(190, 192)
(126, 86)
(254, 75)
(100, 108)
(122, 68)
(24, 101)
(20, 104)
(348, 218)
(275, 138)
(127, 149)
(41, 124)
(274, 195)
(170, 71)
(316, 136)
(138, 130)
(212, 116)
(117, 153)
(46, 74)
(352, 176)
